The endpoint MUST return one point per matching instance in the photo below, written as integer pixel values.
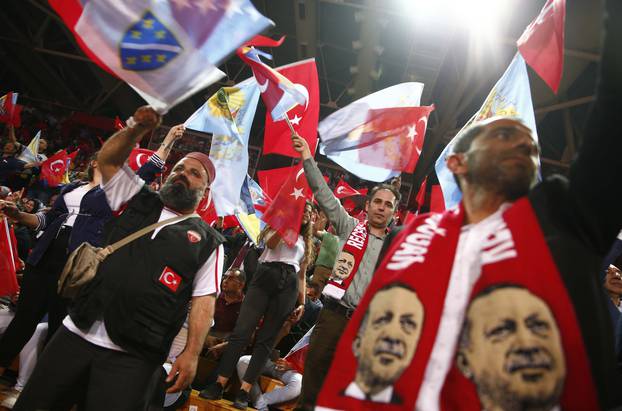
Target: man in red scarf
(514, 313)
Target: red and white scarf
(422, 258)
(352, 252)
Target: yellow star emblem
(148, 23)
(160, 34)
(145, 58)
(136, 34)
(130, 60)
(161, 58)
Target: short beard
(179, 197)
(495, 180)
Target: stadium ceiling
(361, 46)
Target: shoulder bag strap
(124, 241)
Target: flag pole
(289, 124)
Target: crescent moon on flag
(425, 125)
(139, 162)
(299, 173)
(340, 189)
(263, 87)
(303, 90)
(59, 161)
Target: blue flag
(228, 116)
(511, 96)
(166, 50)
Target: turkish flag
(272, 180)
(344, 190)
(138, 157)
(278, 93)
(10, 111)
(392, 138)
(542, 43)
(206, 210)
(304, 119)
(9, 260)
(53, 169)
(285, 213)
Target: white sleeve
(120, 189)
(207, 279)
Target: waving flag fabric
(9, 260)
(511, 96)
(138, 158)
(256, 202)
(343, 190)
(228, 115)
(272, 180)
(304, 118)
(166, 50)
(10, 110)
(30, 152)
(285, 213)
(278, 93)
(53, 169)
(298, 354)
(374, 137)
(542, 43)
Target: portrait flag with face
(166, 50)
(406, 341)
(285, 213)
(303, 118)
(510, 97)
(228, 115)
(542, 43)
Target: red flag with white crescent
(53, 169)
(303, 118)
(138, 158)
(343, 190)
(278, 93)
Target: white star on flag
(297, 193)
(412, 132)
(295, 120)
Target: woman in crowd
(276, 286)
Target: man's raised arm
(336, 214)
(117, 148)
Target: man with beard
(359, 245)
(123, 322)
(512, 352)
(385, 343)
(550, 237)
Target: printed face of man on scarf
(387, 338)
(510, 347)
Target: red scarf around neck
(349, 259)
(521, 323)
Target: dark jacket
(142, 290)
(89, 224)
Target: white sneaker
(10, 399)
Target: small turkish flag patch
(170, 279)
(193, 236)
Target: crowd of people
(511, 301)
